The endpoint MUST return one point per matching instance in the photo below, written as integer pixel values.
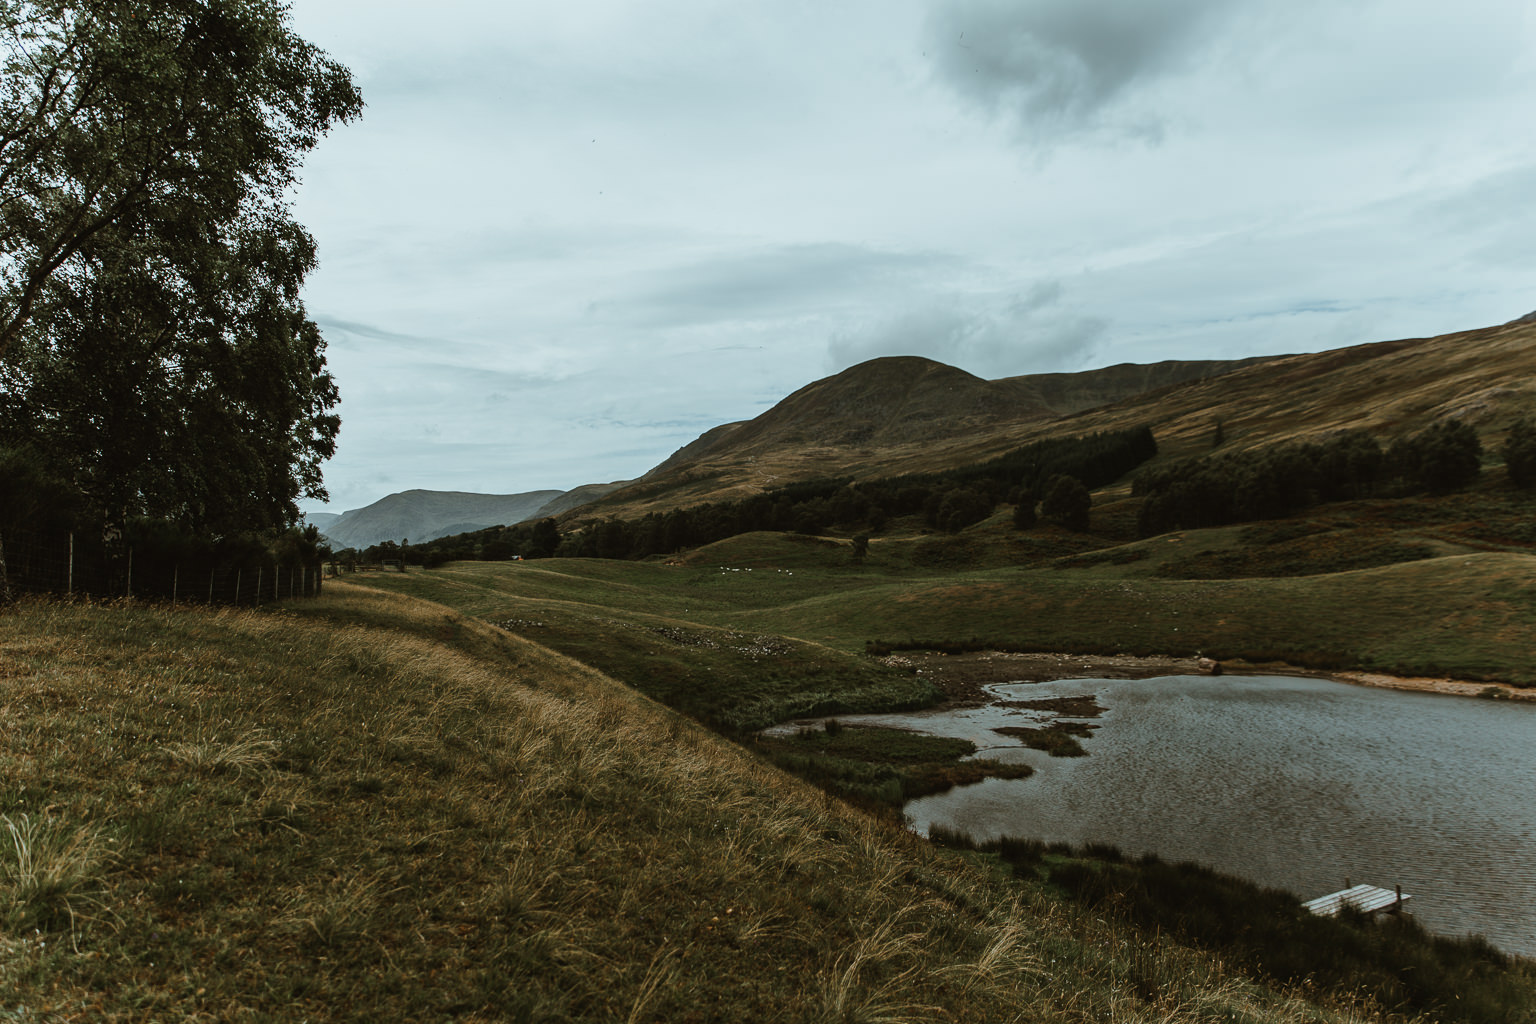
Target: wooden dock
(1367, 899)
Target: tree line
(156, 360)
(1273, 482)
(1056, 474)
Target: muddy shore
(962, 677)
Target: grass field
(1468, 615)
(371, 807)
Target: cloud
(775, 283)
(1024, 332)
(1060, 67)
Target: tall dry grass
(370, 808)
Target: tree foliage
(1519, 453)
(152, 340)
(1278, 481)
(1024, 517)
(949, 500)
(1067, 502)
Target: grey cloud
(1059, 65)
(352, 330)
(1025, 332)
(779, 283)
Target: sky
(567, 238)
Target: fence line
(68, 564)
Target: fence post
(130, 572)
(238, 573)
(259, 570)
(175, 581)
(210, 586)
(71, 587)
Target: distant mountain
(576, 497)
(419, 515)
(321, 521)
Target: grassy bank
(1392, 961)
(369, 807)
(635, 626)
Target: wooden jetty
(1367, 899)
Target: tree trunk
(5, 577)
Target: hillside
(893, 416)
(876, 417)
(369, 807)
(575, 498)
(421, 515)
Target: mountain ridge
(1386, 387)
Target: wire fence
(69, 564)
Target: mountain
(321, 521)
(885, 416)
(903, 415)
(419, 515)
(576, 497)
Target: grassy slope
(1468, 615)
(649, 627)
(370, 807)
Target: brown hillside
(903, 415)
(886, 415)
(1486, 377)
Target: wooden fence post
(211, 574)
(175, 581)
(130, 572)
(70, 590)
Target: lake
(1289, 782)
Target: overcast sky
(567, 238)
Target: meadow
(534, 791)
(1467, 614)
(371, 807)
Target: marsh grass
(1059, 739)
(881, 768)
(459, 824)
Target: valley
(543, 783)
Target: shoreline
(963, 677)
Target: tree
(1442, 458)
(961, 507)
(543, 539)
(1519, 453)
(1067, 502)
(152, 340)
(1024, 517)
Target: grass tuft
(251, 753)
(48, 871)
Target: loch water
(1289, 782)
